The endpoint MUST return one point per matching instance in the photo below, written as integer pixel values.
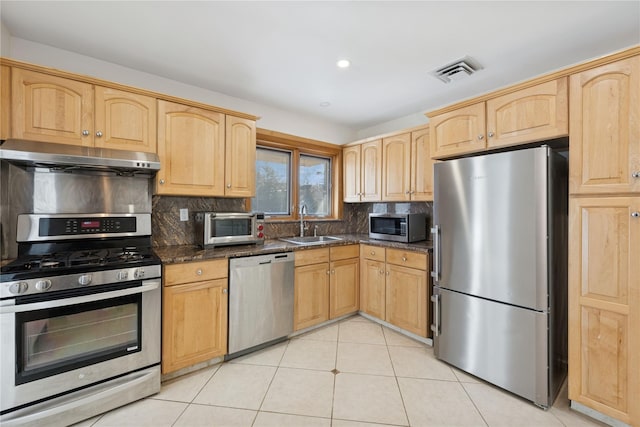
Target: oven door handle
(146, 287)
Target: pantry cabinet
(395, 287)
(605, 129)
(362, 171)
(194, 307)
(56, 109)
(604, 239)
(531, 114)
(326, 284)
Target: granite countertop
(186, 253)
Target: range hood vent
(457, 70)
(69, 158)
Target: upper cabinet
(362, 172)
(5, 101)
(191, 150)
(204, 153)
(532, 114)
(240, 157)
(395, 168)
(55, 109)
(605, 129)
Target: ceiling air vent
(457, 70)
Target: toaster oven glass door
(231, 227)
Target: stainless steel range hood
(71, 158)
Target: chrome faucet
(303, 210)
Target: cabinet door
(533, 114)
(343, 287)
(351, 173)
(124, 120)
(396, 168)
(371, 171)
(604, 305)
(51, 109)
(372, 287)
(240, 157)
(605, 129)
(407, 299)
(311, 295)
(458, 132)
(191, 151)
(421, 166)
(194, 323)
(5, 101)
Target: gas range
(58, 256)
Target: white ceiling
(283, 54)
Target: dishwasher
(260, 301)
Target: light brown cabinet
(59, 110)
(204, 153)
(532, 114)
(395, 168)
(326, 284)
(604, 239)
(194, 307)
(396, 290)
(5, 101)
(605, 129)
(604, 305)
(362, 172)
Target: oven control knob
(260, 235)
(123, 275)
(260, 227)
(138, 273)
(85, 279)
(43, 285)
(18, 288)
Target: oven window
(231, 227)
(392, 226)
(52, 341)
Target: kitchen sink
(310, 240)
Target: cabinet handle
(85, 133)
(381, 271)
(481, 137)
(387, 273)
(328, 271)
(636, 174)
(491, 134)
(224, 291)
(161, 181)
(407, 192)
(199, 272)
(404, 258)
(373, 252)
(635, 214)
(333, 272)
(98, 134)
(228, 185)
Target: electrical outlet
(184, 214)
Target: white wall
(5, 39)
(270, 117)
(412, 120)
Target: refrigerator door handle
(435, 327)
(436, 253)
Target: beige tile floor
(383, 379)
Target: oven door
(55, 346)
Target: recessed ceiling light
(325, 104)
(343, 63)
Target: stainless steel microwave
(409, 227)
(229, 228)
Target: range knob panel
(18, 288)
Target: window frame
(297, 146)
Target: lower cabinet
(395, 287)
(326, 284)
(194, 307)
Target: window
(291, 171)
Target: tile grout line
(395, 376)
(335, 376)
(472, 401)
(270, 383)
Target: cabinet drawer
(372, 252)
(407, 258)
(344, 252)
(311, 256)
(195, 271)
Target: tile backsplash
(168, 230)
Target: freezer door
(502, 344)
(491, 212)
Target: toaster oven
(229, 228)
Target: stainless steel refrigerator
(500, 269)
